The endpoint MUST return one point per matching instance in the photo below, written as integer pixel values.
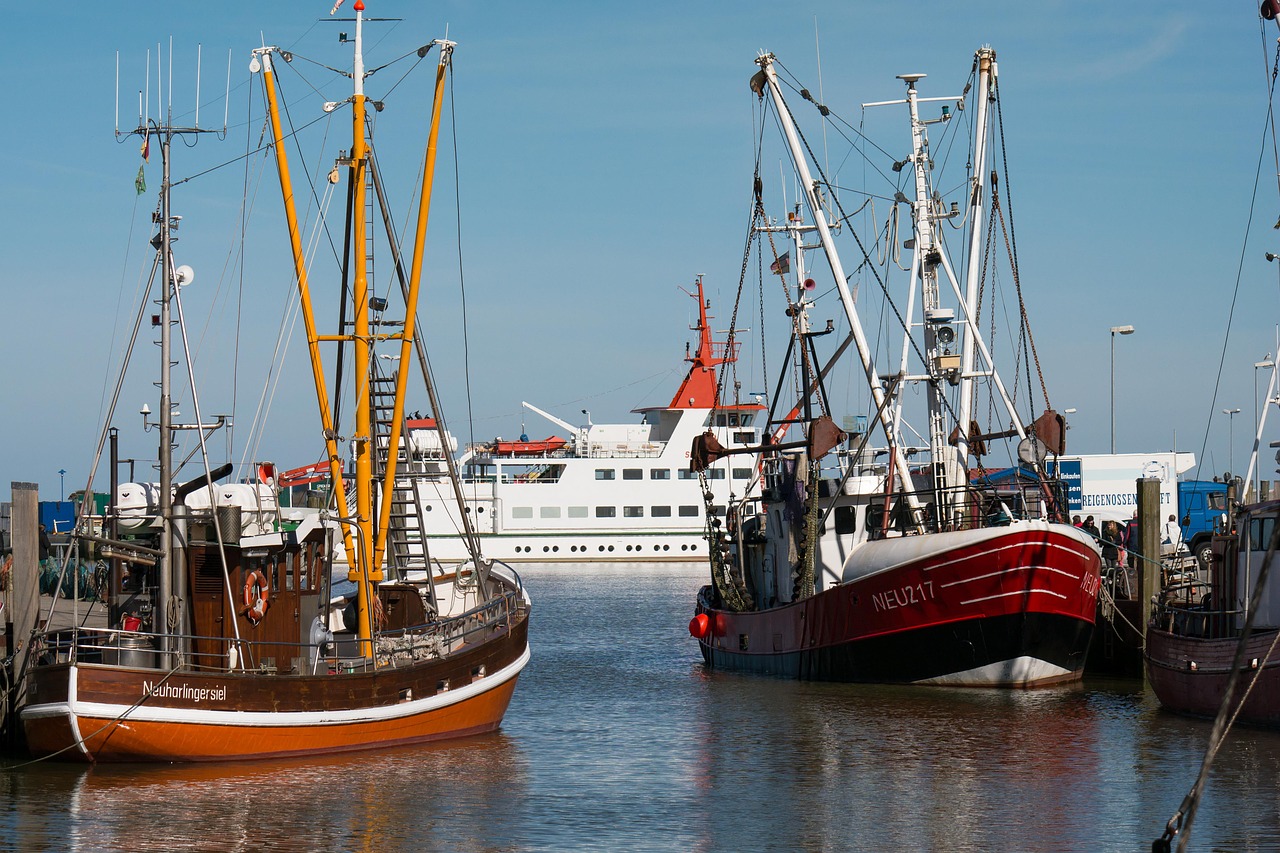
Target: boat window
(742, 473)
(686, 474)
(715, 473)
(747, 418)
(718, 509)
(549, 512)
(660, 511)
(604, 473)
(1260, 531)
(632, 474)
(633, 512)
(875, 515)
(846, 520)
(659, 473)
(522, 512)
(689, 512)
(606, 511)
(290, 571)
(744, 437)
(577, 512)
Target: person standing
(1171, 536)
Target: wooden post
(24, 582)
(1149, 581)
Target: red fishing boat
(893, 564)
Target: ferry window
(660, 511)
(686, 474)
(1260, 530)
(522, 512)
(632, 474)
(604, 473)
(688, 512)
(577, 512)
(633, 512)
(606, 511)
(715, 473)
(718, 509)
(549, 512)
(659, 473)
(744, 437)
(846, 520)
(742, 473)
(747, 418)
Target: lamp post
(62, 483)
(1115, 330)
(1231, 436)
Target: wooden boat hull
(96, 712)
(1002, 607)
(1189, 674)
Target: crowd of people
(1114, 537)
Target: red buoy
(699, 626)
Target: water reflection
(619, 739)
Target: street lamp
(1115, 330)
(1231, 436)
(62, 483)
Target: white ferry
(593, 493)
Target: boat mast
(407, 336)
(948, 470)
(263, 61)
(362, 571)
(765, 61)
(986, 60)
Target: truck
(1104, 485)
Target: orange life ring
(256, 600)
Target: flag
(140, 182)
(146, 148)
(782, 265)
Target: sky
(604, 160)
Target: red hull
(1189, 674)
(1010, 606)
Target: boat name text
(185, 691)
(892, 599)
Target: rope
(109, 723)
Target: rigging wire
(1180, 823)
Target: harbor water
(619, 739)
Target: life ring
(257, 596)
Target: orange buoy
(699, 626)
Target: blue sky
(605, 160)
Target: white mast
(765, 61)
(986, 58)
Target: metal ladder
(405, 544)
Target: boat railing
(966, 508)
(197, 653)
(1188, 609)
(624, 450)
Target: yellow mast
(411, 306)
(365, 555)
(304, 293)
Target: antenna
(817, 52)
